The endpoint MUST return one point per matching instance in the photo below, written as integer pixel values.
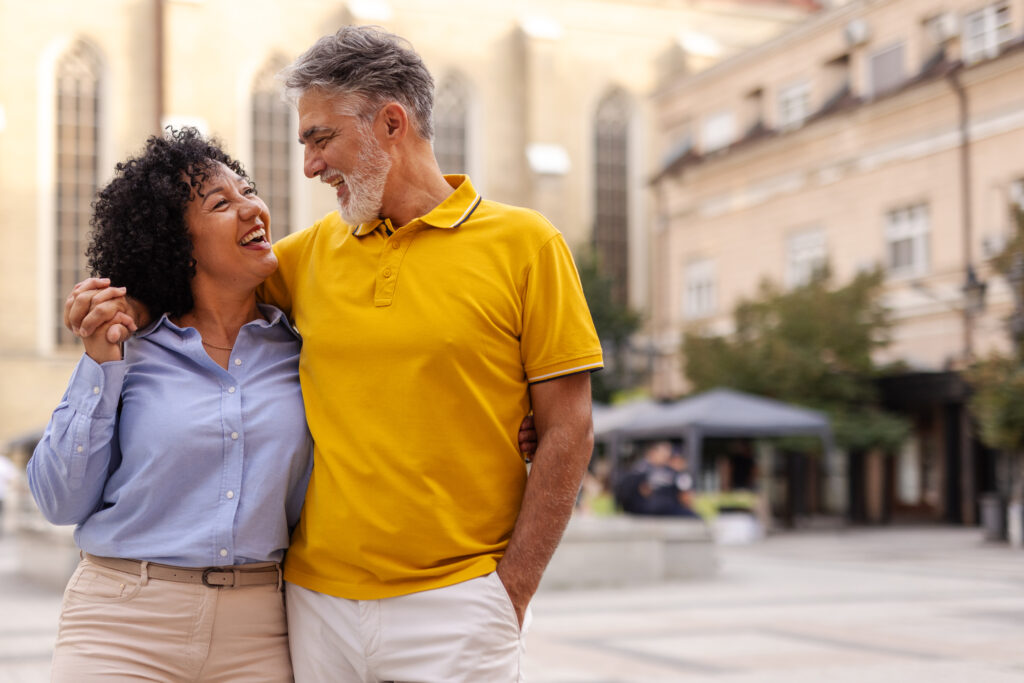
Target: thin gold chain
(222, 348)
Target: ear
(392, 123)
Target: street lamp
(974, 291)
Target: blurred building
(878, 132)
(545, 104)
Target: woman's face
(229, 226)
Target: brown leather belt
(238, 576)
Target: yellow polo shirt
(419, 345)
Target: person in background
(658, 485)
(8, 473)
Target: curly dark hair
(139, 238)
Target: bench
(621, 550)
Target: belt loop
(237, 575)
(144, 570)
(280, 578)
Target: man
(432, 320)
(660, 484)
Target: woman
(184, 462)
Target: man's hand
(562, 412)
(94, 304)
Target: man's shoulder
(328, 225)
(525, 221)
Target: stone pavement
(918, 604)
(906, 604)
(28, 622)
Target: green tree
(615, 325)
(811, 345)
(997, 381)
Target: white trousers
(461, 633)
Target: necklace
(214, 346)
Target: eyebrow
(213, 191)
(311, 131)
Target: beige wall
(526, 87)
(842, 174)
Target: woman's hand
(527, 437)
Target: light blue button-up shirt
(202, 467)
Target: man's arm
(565, 434)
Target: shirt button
(238, 361)
(78, 449)
(95, 390)
(230, 495)
(231, 390)
(387, 272)
(396, 245)
(234, 435)
(223, 552)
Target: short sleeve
(277, 289)
(558, 335)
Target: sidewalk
(28, 623)
(907, 605)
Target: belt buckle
(206, 573)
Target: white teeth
(258, 232)
(333, 178)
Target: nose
(252, 207)
(312, 163)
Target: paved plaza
(924, 604)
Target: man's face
(341, 150)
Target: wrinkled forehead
(319, 107)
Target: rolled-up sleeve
(69, 467)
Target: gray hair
(371, 63)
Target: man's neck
(415, 188)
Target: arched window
(77, 167)
(451, 113)
(611, 191)
(271, 141)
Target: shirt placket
(229, 491)
(389, 263)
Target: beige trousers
(465, 633)
(116, 626)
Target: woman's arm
(69, 468)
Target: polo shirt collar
(451, 213)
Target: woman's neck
(218, 318)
